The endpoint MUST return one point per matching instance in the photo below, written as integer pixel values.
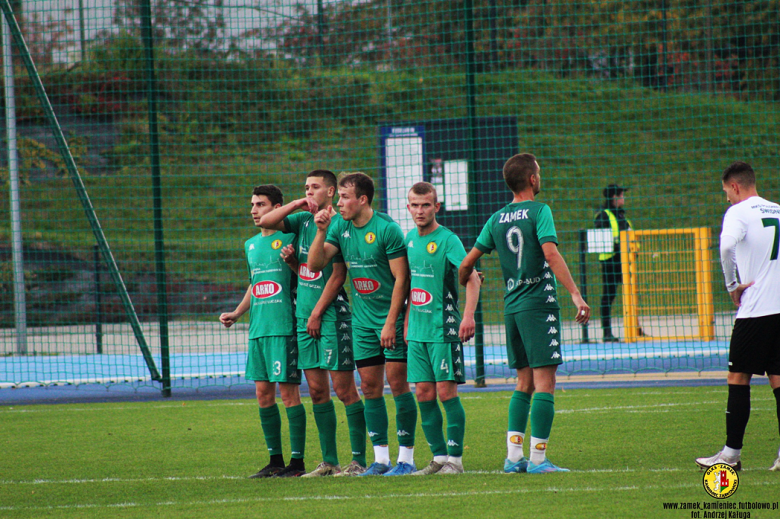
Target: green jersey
(367, 252)
(311, 285)
(517, 232)
(271, 311)
(433, 261)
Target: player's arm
(400, 269)
(329, 294)
(321, 253)
(562, 274)
(230, 318)
(467, 266)
(728, 261)
(275, 219)
(468, 325)
(288, 256)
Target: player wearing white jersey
(749, 244)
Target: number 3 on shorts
(444, 367)
(277, 368)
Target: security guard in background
(613, 217)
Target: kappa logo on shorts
(342, 326)
(449, 295)
(370, 238)
(264, 289)
(547, 275)
(550, 299)
(449, 308)
(458, 373)
(556, 355)
(550, 318)
(346, 349)
(548, 287)
(342, 310)
(346, 337)
(545, 265)
(457, 360)
(457, 348)
(276, 244)
(346, 362)
(450, 320)
(552, 329)
(452, 331)
(553, 343)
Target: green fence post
(159, 240)
(81, 191)
(471, 111)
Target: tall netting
(654, 96)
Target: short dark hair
(741, 173)
(518, 170)
(328, 176)
(424, 188)
(362, 184)
(273, 193)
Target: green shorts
(273, 359)
(367, 344)
(533, 338)
(436, 362)
(332, 351)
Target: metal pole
(663, 39)
(159, 241)
(389, 31)
(710, 68)
(98, 303)
(81, 191)
(321, 31)
(471, 119)
(584, 277)
(20, 303)
(82, 31)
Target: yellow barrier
(656, 264)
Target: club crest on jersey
(307, 275)
(370, 238)
(276, 244)
(431, 247)
(420, 297)
(264, 289)
(366, 285)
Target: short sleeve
(485, 242)
(334, 230)
(456, 253)
(545, 226)
(733, 225)
(294, 222)
(394, 241)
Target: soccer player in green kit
(272, 355)
(524, 235)
(372, 245)
(324, 326)
(435, 329)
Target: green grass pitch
(630, 451)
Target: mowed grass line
(630, 450)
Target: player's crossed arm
(321, 253)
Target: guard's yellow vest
(613, 225)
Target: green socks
(296, 415)
(542, 414)
(456, 426)
(432, 423)
(325, 417)
(356, 421)
(519, 406)
(405, 419)
(376, 420)
(271, 421)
